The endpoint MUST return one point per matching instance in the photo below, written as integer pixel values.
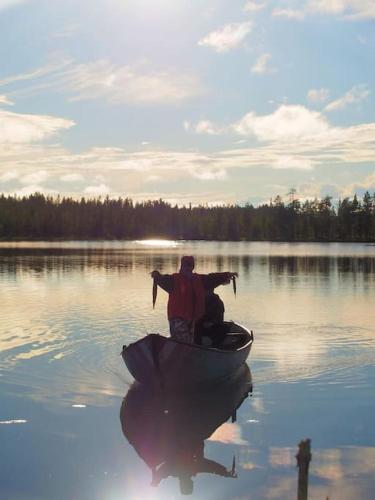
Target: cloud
(209, 198)
(5, 100)
(351, 9)
(153, 178)
(353, 96)
(9, 176)
(19, 128)
(103, 79)
(344, 471)
(261, 65)
(288, 122)
(5, 4)
(34, 188)
(101, 189)
(227, 38)
(318, 95)
(207, 127)
(360, 186)
(47, 70)
(293, 162)
(288, 139)
(345, 9)
(209, 174)
(254, 6)
(72, 178)
(291, 137)
(289, 13)
(35, 177)
(67, 31)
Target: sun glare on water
(158, 243)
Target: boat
(168, 428)
(167, 362)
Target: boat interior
(229, 336)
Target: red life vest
(187, 298)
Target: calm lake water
(67, 309)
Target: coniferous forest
(43, 217)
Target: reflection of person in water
(186, 463)
(210, 329)
(168, 429)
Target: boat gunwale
(202, 347)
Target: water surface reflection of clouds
(94, 295)
(67, 309)
(345, 473)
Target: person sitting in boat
(211, 329)
(187, 294)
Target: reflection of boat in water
(174, 363)
(168, 428)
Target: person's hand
(154, 274)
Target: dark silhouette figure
(211, 329)
(168, 429)
(187, 296)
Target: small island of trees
(45, 217)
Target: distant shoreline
(40, 218)
(27, 239)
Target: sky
(201, 101)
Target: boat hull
(160, 360)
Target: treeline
(44, 217)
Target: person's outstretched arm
(213, 280)
(165, 281)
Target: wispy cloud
(72, 178)
(209, 198)
(11, 422)
(103, 79)
(354, 96)
(207, 127)
(227, 38)
(20, 128)
(262, 65)
(351, 9)
(292, 162)
(5, 4)
(68, 31)
(254, 6)
(9, 176)
(291, 137)
(289, 13)
(209, 174)
(35, 74)
(5, 100)
(346, 9)
(302, 146)
(360, 186)
(35, 178)
(98, 190)
(34, 188)
(318, 95)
